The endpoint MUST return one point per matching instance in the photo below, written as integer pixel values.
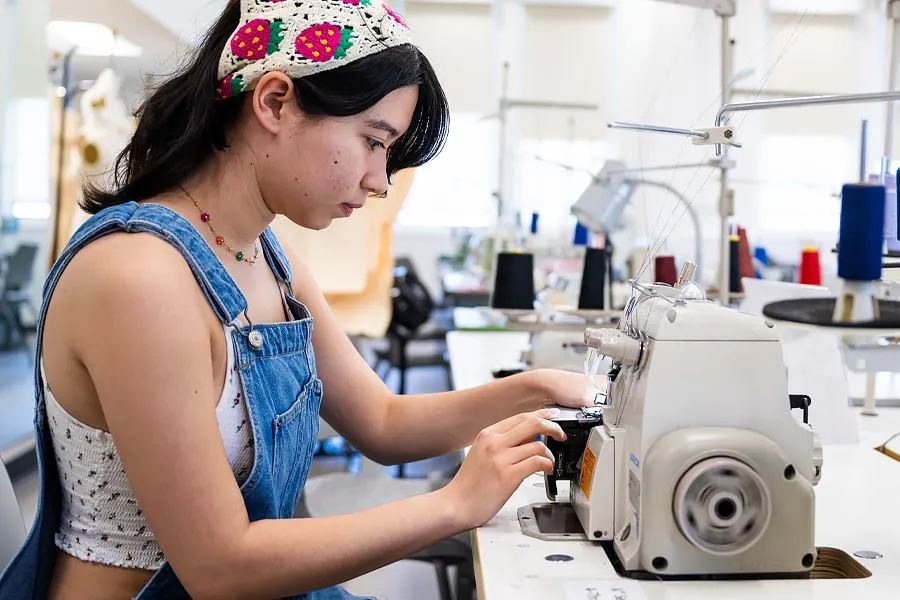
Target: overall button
(256, 340)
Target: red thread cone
(664, 270)
(810, 268)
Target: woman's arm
(391, 429)
(144, 334)
(427, 425)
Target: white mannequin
(106, 129)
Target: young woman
(180, 379)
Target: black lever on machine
(567, 455)
(802, 402)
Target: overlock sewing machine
(694, 465)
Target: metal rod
(542, 104)
(737, 107)
(657, 129)
(710, 163)
(725, 204)
(864, 151)
(892, 77)
(805, 101)
(727, 51)
(501, 158)
(61, 157)
(773, 93)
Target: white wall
(464, 68)
(648, 61)
(26, 115)
(638, 60)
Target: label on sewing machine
(615, 589)
(587, 472)
(634, 491)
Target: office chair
(412, 320)
(17, 277)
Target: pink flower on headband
(229, 87)
(257, 39)
(394, 15)
(358, 2)
(321, 43)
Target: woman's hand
(564, 388)
(501, 457)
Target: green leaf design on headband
(230, 87)
(345, 43)
(237, 85)
(276, 37)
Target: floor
(405, 580)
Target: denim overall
(277, 368)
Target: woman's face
(315, 170)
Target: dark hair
(182, 123)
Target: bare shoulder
(125, 257)
(125, 276)
(127, 263)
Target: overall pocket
(295, 432)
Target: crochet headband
(303, 37)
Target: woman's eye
(374, 144)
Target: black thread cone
(514, 282)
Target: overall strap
(222, 293)
(276, 258)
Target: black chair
(414, 318)
(17, 276)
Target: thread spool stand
(856, 308)
(856, 314)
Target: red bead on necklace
(220, 241)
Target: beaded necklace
(220, 241)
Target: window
(26, 176)
(798, 195)
(550, 176)
(456, 188)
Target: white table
(857, 509)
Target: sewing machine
(699, 467)
(555, 336)
(555, 349)
(557, 340)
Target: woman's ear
(274, 99)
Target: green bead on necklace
(220, 241)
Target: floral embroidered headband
(302, 37)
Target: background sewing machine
(556, 330)
(558, 341)
(696, 449)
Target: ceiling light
(89, 39)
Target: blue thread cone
(862, 232)
(581, 235)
